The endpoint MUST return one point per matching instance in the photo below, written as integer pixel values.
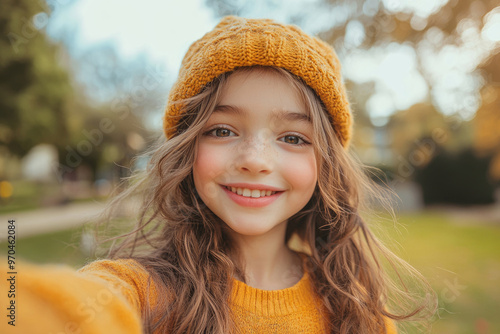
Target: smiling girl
(251, 213)
(264, 171)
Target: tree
(34, 87)
(487, 120)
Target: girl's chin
(249, 231)
(250, 228)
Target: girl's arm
(102, 297)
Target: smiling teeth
(251, 193)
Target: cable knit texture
(290, 310)
(237, 42)
(107, 296)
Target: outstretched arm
(102, 297)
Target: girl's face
(257, 141)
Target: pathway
(50, 219)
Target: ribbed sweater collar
(273, 302)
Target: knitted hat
(237, 42)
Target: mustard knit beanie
(237, 42)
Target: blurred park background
(83, 85)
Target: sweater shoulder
(126, 269)
(125, 276)
(390, 326)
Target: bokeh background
(83, 84)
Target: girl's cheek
(302, 169)
(208, 163)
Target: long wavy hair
(189, 254)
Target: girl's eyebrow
(279, 115)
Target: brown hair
(187, 250)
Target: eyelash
(209, 133)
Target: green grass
(28, 195)
(64, 246)
(461, 261)
(58, 247)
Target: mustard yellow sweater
(106, 296)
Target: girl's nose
(255, 155)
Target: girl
(251, 213)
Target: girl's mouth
(251, 198)
(245, 192)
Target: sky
(163, 30)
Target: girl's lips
(252, 202)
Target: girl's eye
(295, 140)
(219, 132)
